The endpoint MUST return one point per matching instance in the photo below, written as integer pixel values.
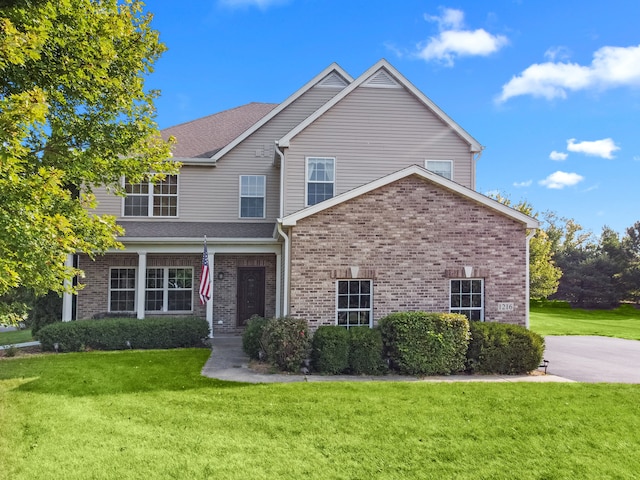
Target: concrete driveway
(594, 359)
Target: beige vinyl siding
(373, 132)
(108, 203)
(212, 194)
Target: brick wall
(410, 237)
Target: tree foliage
(544, 275)
(74, 115)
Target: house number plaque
(506, 307)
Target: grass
(15, 336)
(149, 414)
(623, 322)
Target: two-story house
(352, 199)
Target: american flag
(205, 277)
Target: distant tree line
(597, 272)
(569, 263)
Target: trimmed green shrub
(124, 333)
(502, 348)
(420, 343)
(286, 342)
(252, 336)
(46, 310)
(366, 351)
(330, 350)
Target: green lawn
(16, 336)
(622, 323)
(133, 414)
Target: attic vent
(381, 79)
(333, 80)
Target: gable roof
(292, 219)
(379, 73)
(328, 74)
(203, 137)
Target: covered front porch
(246, 280)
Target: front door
(250, 293)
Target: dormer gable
(383, 75)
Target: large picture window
(122, 290)
(320, 179)
(152, 200)
(252, 195)
(467, 297)
(169, 290)
(354, 303)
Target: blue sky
(550, 88)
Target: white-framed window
(467, 297)
(169, 289)
(320, 179)
(252, 196)
(354, 301)
(152, 200)
(122, 289)
(444, 168)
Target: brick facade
(93, 299)
(410, 237)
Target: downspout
(285, 256)
(285, 295)
(527, 304)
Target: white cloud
(453, 41)
(557, 53)
(598, 148)
(611, 67)
(558, 156)
(558, 180)
(523, 184)
(261, 4)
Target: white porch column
(209, 305)
(140, 284)
(67, 297)
(278, 285)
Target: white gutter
(527, 288)
(285, 296)
(281, 155)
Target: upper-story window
(320, 179)
(444, 168)
(252, 194)
(147, 199)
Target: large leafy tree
(543, 272)
(74, 115)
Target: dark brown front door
(250, 293)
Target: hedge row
(413, 343)
(124, 333)
(358, 350)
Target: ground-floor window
(354, 303)
(167, 289)
(467, 298)
(122, 290)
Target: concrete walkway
(228, 362)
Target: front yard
(149, 414)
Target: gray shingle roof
(203, 137)
(135, 229)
